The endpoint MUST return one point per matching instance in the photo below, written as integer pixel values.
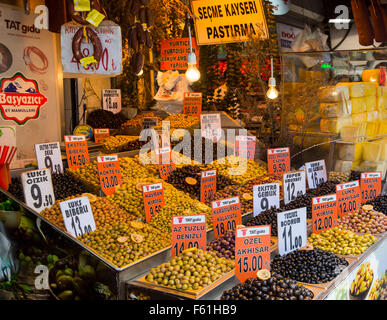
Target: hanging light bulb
(192, 72)
(272, 93)
(140, 73)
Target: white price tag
(294, 185)
(38, 190)
(211, 127)
(111, 100)
(48, 155)
(316, 172)
(77, 216)
(291, 230)
(266, 196)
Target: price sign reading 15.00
(294, 185)
(48, 156)
(109, 173)
(291, 230)
(207, 185)
(188, 232)
(226, 215)
(348, 197)
(371, 185)
(77, 151)
(252, 251)
(153, 195)
(38, 190)
(278, 160)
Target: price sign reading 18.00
(266, 196)
(245, 147)
(348, 198)
(317, 173)
(192, 104)
(294, 185)
(252, 251)
(48, 156)
(188, 232)
(226, 215)
(109, 173)
(101, 134)
(153, 195)
(278, 160)
(324, 213)
(77, 151)
(77, 216)
(371, 185)
(207, 185)
(38, 190)
(291, 230)
(166, 165)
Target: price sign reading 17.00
(278, 160)
(77, 216)
(291, 230)
(226, 215)
(348, 198)
(77, 151)
(317, 173)
(266, 196)
(294, 185)
(188, 232)
(48, 156)
(371, 185)
(207, 185)
(324, 213)
(109, 173)
(252, 251)
(38, 190)
(153, 195)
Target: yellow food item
(350, 152)
(372, 116)
(371, 75)
(263, 274)
(372, 151)
(381, 103)
(370, 88)
(359, 105)
(362, 281)
(334, 125)
(333, 93)
(335, 109)
(359, 118)
(371, 103)
(343, 166)
(351, 133)
(381, 91)
(356, 89)
(372, 128)
(372, 166)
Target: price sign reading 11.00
(371, 185)
(48, 156)
(266, 196)
(153, 195)
(109, 173)
(324, 213)
(291, 230)
(77, 216)
(188, 232)
(38, 190)
(316, 172)
(252, 251)
(278, 160)
(77, 151)
(348, 197)
(294, 185)
(226, 215)
(207, 185)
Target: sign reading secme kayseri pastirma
(226, 21)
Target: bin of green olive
(88, 175)
(193, 269)
(182, 121)
(379, 289)
(105, 212)
(340, 177)
(341, 241)
(362, 282)
(114, 144)
(136, 122)
(124, 243)
(366, 220)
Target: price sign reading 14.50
(188, 232)
(48, 156)
(226, 215)
(252, 251)
(278, 160)
(77, 151)
(291, 230)
(207, 185)
(371, 185)
(109, 173)
(348, 198)
(38, 190)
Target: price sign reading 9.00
(371, 185)
(188, 232)
(252, 251)
(38, 190)
(278, 160)
(207, 185)
(77, 151)
(324, 213)
(348, 198)
(153, 195)
(48, 156)
(226, 215)
(109, 173)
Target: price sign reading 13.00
(109, 173)
(77, 151)
(252, 251)
(226, 215)
(371, 185)
(188, 232)
(278, 160)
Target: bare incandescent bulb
(272, 93)
(192, 73)
(140, 73)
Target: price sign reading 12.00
(153, 195)
(371, 185)
(166, 166)
(207, 185)
(266, 196)
(77, 216)
(317, 173)
(101, 134)
(245, 147)
(294, 185)
(192, 104)
(324, 213)
(291, 230)
(348, 198)
(48, 156)
(188, 232)
(109, 173)
(278, 160)
(38, 190)
(252, 251)
(226, 215)
(77, 151)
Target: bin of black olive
(309, 266)
(265, 218)
(103, 119)
(275, 288)
(379, 203)
(16, 189)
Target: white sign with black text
(266, 196)
(316, 172)
(111, 100)
(48, 155)
(294, 185)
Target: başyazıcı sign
(226, 21)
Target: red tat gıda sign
(174, 53)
